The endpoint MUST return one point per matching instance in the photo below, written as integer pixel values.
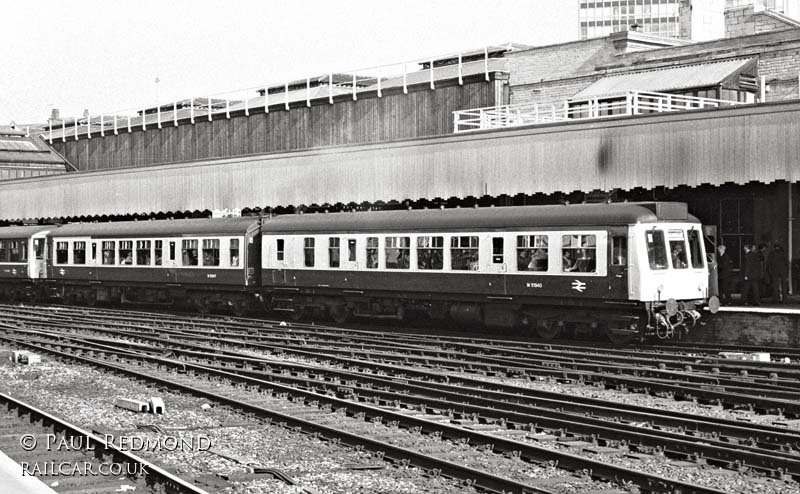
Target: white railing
(280, 95)
(629, 103)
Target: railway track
(73, 460)
(717, 442)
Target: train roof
(23, 231)
(162, 228)
(578, 215)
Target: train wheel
(299, 314)
(239, 308)
(341, 314)
(548, 330)
(620, 336)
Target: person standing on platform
(724, 274)
(751, 294)
(778, 272)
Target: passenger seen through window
(210, 252)
(532, 253)
(578, 253)
(464, 253)
(189, 252)
(430, 252)
(398, 252)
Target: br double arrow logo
(578, 286)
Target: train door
(498, 258)
(618, 264)
(710, 238)
(349, 254)
(37, 261)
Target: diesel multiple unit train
(624, 270)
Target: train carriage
(202, 262)
(23, 252)
(620, 269)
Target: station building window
(109, 253)
(578, 253)
(189, 252)
(333, 252)
(79, 253)
(143, 252)
(464, 253)
(126, 252)
(372, 252)
(398, 252)
(280, 249)
(210, 252)
(656, 249)
(234, 252)
(308, 252)
(532, 253)
(430, 252)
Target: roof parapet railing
(613, 105)
(377, 80)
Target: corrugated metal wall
(421, 112)
(751, 143)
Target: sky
(105, 56)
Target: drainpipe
(791, 244)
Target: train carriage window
(308, 252)
(211, 252)
(79, 253)
(234, 252)
(695, 249)
(333, 252)
(5, 251)
(351, 250)
(464, 253)
(109, 253)
(372, 252)
(38, 248)
(430, 252)
(94, 251)
(126, 252)
(497, 250)
(677, 249)
(143, 252)
(578, 253)
(656, 250)
(619, 251)
(189, 252)
(398, 252)
(62, 252)
(280, 252)
(533, 253)
(159, 246)
(172, 251)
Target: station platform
(767, 324)
(12, 480)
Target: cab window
(677, 249)
(656, 249)
(695, 249)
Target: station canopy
(667, 79)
